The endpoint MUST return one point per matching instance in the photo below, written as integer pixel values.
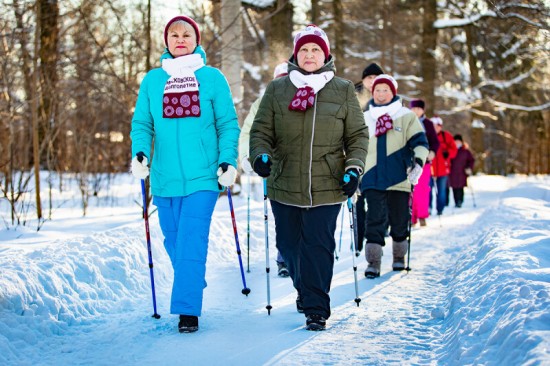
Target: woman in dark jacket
(462, 166)
(421, 195)
(308, 134)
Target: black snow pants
(305, 238)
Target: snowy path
(400, 320)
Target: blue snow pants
(441, 193)
(305, 238)
(185, 224)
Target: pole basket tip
(245, 291)
(268, 307)
(156, 316)
(408, 269)
(357, 301)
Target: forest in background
(70, 73)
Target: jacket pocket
(278, 168)
(336, 166)
(167, 221)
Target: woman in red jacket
(441, 165)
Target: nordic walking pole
(473, 196)
(268, 306)
(355, 232)
(351, 208)
(341, 228)
(351, 226)
(248, 226)
(146, 218)
(245, 290)
(408, 268)
(341, 231)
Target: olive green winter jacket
(311, 149)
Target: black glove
(263, 169)
(445, 154)
(350, 182)
(140, 155)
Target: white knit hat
(437, 120)
(280, 70)
(312, 33)
(385, 79)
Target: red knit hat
(185, 19)
(385, 79)
(312, 33)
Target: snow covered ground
(78, 291)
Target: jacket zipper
(311, 148)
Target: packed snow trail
(92, 299)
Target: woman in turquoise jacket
(185, 111)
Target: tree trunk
(315, 12)
(428, 65)
(148, 31)
(27, 73)
(232, 48)
(279, 38)
(472, 59)
(338, 21)
(35, 125)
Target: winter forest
(71, 72)
(75, 285)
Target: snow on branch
(460, 22)
(535, 108)
(471, 19)
(507, 83)
(521, 17)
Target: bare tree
(232, 46)
(427, 62)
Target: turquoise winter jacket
(187, 151)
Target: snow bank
(498, 305)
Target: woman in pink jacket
(421, 194)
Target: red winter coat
(464, 159)
(441, 165)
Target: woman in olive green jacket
(308, 133)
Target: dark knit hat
(385, 79)
(458, 137)
(185, 19)
(372, 69)
(417, 103)
(312, 33)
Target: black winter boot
(315, 322)
(188, 324)
(282, 270)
